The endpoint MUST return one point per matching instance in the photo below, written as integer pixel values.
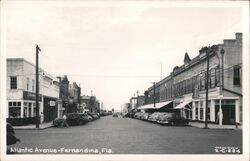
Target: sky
(115, 51)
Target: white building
(21, 88)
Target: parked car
(172, 119)
(152, 117)
(11, 137)
(138, 115)
(115, 114)
(86, 117)
(94, 116)
(76, 119)
(145, 116)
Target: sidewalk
(42, 126)
(215, 126)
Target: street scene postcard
(124, 80)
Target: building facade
(185, 87)
(90, 104)
(64, 95)
(74, 98)
(21, 91)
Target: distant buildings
(184, 88)
(56, 95)
(90, 104)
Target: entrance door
(228, 113)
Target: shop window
(201, 111)
(208, 110)
(236, 77)
(13, 82)
(212, 78)
(196, 110)
(217, 76)
(33, 85)
(14, 109)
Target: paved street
(131, 136)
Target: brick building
(184, 88)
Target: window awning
(157, 105)
(182, 105)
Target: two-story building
(21, 91)
(185, 88)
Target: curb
(216, 128)
(43, 128)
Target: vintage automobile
(152, 117)
(94, 116)
(72, 119)
(145, 116)
(115, 114)
(11, 137)
(172, 119)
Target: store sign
(30, 96)
(59, 101)
(52, 103)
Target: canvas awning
(157, 105)
(183, 105)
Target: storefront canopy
(157, 105)
(183, 105)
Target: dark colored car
(11, 137)
(94, 116)
(76, 118)
(57, 122)
(172, 119)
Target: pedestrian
(64, 123)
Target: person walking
(64, 123)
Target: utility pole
(154, 93)
(207, 78)
(37, 87)
(137, 98)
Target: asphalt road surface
(110, 135)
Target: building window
(33, 85)
(217, 76)
(208, 110)
(28, 82)
(13, 82)
(212, 78)
(236, 78)
(14, 109)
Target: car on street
(94, 116)
(11, 137)
(138, 115)
(57, 122)
(172, 119)
(115, 114)
(152, 117)
(145, 116)
(76, 118)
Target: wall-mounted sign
(52, 103)
(30, 96)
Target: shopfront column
(212, 110)
(237, 111)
